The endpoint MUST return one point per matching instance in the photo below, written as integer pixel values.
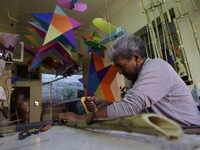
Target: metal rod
(58, 103)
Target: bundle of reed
(145, 123)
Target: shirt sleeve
(153, 83)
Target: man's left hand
(67, 116)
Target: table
(67, 138)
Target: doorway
(21, 97)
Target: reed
(194, 31)
(157, 32)
(149, 123)
(151, 33)
(165, 47)
(194, 5)
(167, 11)
(179, 8)
(146, 46)
(182, 50)
(165, 30)
(142, 5)
(149, 44)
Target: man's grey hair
(125, 46)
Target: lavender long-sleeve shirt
(158, 86)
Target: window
(71, 82)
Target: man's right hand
(93, 102)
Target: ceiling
(21, 9)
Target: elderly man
(156, 86)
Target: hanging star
(29, 66)
(56, 50)
(36, 35)
(33, 40)
(94, 39)
(38, 28)
(53, 37)
(72, 4)
(15, 79)
(74, 57)
(59, 27)
(65, 70)
(31, 50)
(112, 32)
(99, 79)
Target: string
(111, 45)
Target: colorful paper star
(99, 79)
(59, 27)
(94, 39)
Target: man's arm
(100, 113)
(93, 102)
(72, 116)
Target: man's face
(129, 69)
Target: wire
(107, 10)
(5, 87)
(30, 77)
(111, 45)
(11, 18)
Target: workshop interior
(53, 54)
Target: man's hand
(93, 102)
(67, 116)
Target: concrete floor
(67, 138)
